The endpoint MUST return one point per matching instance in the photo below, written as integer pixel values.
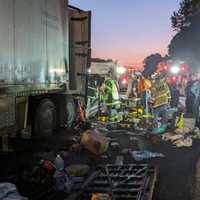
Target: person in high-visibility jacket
(162, 96)
(110, 93)
(144, 87)
(132, 90)
(110, 97)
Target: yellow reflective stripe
(148, 116)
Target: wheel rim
(45, 119)
(49, 118)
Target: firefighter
(195, 90)
(190, 97)
(132, 90)
(162, 97)
(144, 87)
(110, 96)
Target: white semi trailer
(45, 47)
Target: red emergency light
(124, 81)
(165, 67)
(184, 67)
(162, 66)
(173, 78)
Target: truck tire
(45, 119)
(71, 111)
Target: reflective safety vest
(110, 93)
(144, 84)
(161, 93)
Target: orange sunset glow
(143, 29)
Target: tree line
(185, 45)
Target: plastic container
(63, 182)
(94, 142)
(59, 163)
(141, 155)
(119, 160)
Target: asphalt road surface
(178, 173)
(178, 177)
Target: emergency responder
(110, 96)
(195, 90)
(144, 87)
(175, 94)
(132, 90)
(190, 97)
(161, 96)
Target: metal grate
(127, 182)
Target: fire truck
(174, 70)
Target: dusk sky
(129, 30)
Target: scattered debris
(101, 196)
(171, 137)
(103, 130)
(115, 145)
(132, 138)
(125, 151)
(183, 131)
(145, 154)
(183, 142)
(59, 163)
(78, 170)
(182, 137)
(119, 160)
(94, 142)
(195, 133)
(62, 181)
(136, 133)
(48, 165)
(8, 191)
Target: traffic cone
(180, 123)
